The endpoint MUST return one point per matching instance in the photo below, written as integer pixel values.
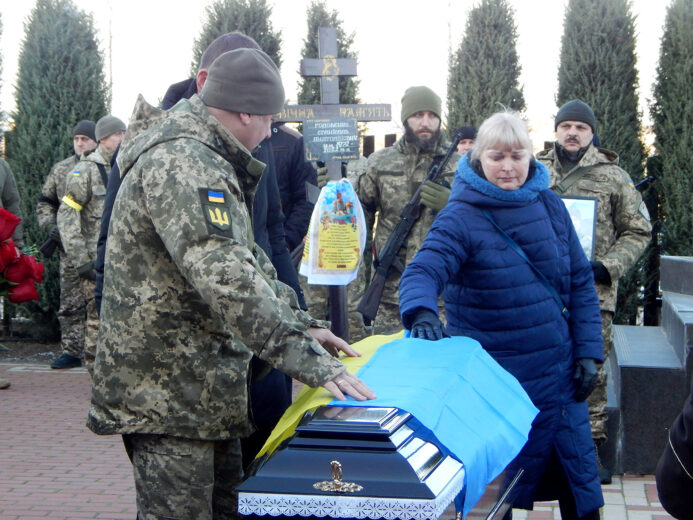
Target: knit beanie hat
(467, 132)
(108, 125)
(85, 127)
(244, 80)
(418, 99)
(576, 110)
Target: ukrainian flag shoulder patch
(216, 212)
(215, 196)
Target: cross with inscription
(329, 68)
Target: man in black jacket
(269, 395)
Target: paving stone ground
(53, 467)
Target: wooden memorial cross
(329, 68)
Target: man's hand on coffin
(426, 325)
(585, 378)
(346, 384)
(333, 344)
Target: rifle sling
(571, 179)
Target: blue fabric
(492, 295)
(431, 379)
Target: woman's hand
(333, 344)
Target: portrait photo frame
(583, 213)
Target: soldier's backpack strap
(104, 175)
(571, 179)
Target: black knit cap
(467, 132)
(85, 127)
(576, 110)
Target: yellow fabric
(310, 398)
(70, 202)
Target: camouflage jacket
(391, 177)
(188, 297)
(79, 214)
(9, 199)
(623, 223)
(52, 193)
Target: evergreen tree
(309, 88)
(251, 17)
(60, 81)
(484, 72)
(598, 65)
(672, 114)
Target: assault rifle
(368, 306)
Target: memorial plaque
(333, 139)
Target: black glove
(87, 271)
(585, 378)
(601, 275)
(51, 243)
(426, 325)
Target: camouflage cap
(108, 125)
(85, 127)
(244, 80)
(417, 99)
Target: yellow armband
(67, 199)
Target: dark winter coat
(293, 171)
(675, 467)
(492, 295)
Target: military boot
(65, 360)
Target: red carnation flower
(8, 223)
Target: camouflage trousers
(317, 300)
(91, 329)
(71, 313)
(597, 399)
(181, 479)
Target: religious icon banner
(336, 236)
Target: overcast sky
(400, 43)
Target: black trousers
(554, 485)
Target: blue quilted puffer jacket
(492, 295)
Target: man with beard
(580, 169)
(392, 176)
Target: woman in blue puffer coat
(547, 333)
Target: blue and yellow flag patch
(215, 196)
(217, 213)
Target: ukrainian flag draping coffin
(355, 462)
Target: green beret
(244, 80)
(417, 99)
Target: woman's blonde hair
(502, 130)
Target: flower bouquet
(19, 272)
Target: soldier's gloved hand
(54, 234)
(585, 378)
(86, 271)
(434, 196)
(322, 176)
(426, 325)
(601, 275)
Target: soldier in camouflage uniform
(189, 297)
(71, 313)
(79, 221)
(392, 176)
(578, 168)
